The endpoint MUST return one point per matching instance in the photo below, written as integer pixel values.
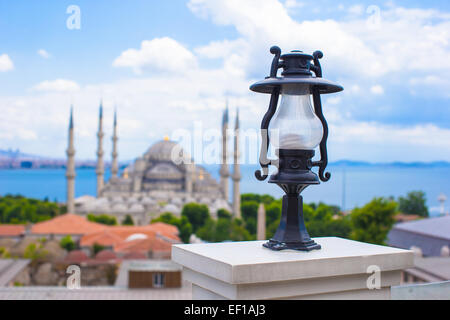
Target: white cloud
(43, 53)
(334, 100)
(6, 63)
(220, 49)
(377, 89)
(291, 4)
(356, 9)
(350, 46)
(58, 85)
(161, 54)
(145, 106)
(430, 85)
(157, 103)
(378, 142)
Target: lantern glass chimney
(295, 125)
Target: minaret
(114, 154)
(100, 166)
(224, 172)
(236, 177)
(188, 180)
(70, 168)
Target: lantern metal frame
(294, 166)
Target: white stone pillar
(261, 223)
(342, 269)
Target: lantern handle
(275, 61)
(317, 68)
(323, 162)
(263, 160)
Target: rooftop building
(66, 224)
(12, 230)
(430, 235)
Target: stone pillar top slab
(249, 262)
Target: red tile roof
(400, 217)
(76, 256)
(135, 239)
(164, 228)
(67, 224)
(134, 256)
(114, 235)
(161, 228)
(105, 238)
(156, 237)
(153, 244)
(11, 230)
(105, 255)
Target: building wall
(430, 246)
(144, 279)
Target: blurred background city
(103, 102)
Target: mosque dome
(166, 150)
(148, 201)
(120, 207)
(136, 207)
(171, 208)
(136, 236)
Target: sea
(350, 186)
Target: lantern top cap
(296, 54)
(298, 68)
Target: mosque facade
(163, 179)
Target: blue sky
(166, 64)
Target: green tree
(413, 203)
(166, 217)
(372, 222)
(103, 219)
(238, 232)
(264, 198)
(249, 211)
(96, 248)
(35, 253)
(223, 229)
(19, 210)
(67, 243)
(273, 215)
(208, 231)
(183, 224)
(340, 227)
(222, 213)
(4, 253)
(197, 214)
(128, 221)
(184, 229)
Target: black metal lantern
(300, 128)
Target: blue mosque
(163, 179)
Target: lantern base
(293, 176)
(291, 232)
(300, 246)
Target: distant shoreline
(10, 159)
(340, 163)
